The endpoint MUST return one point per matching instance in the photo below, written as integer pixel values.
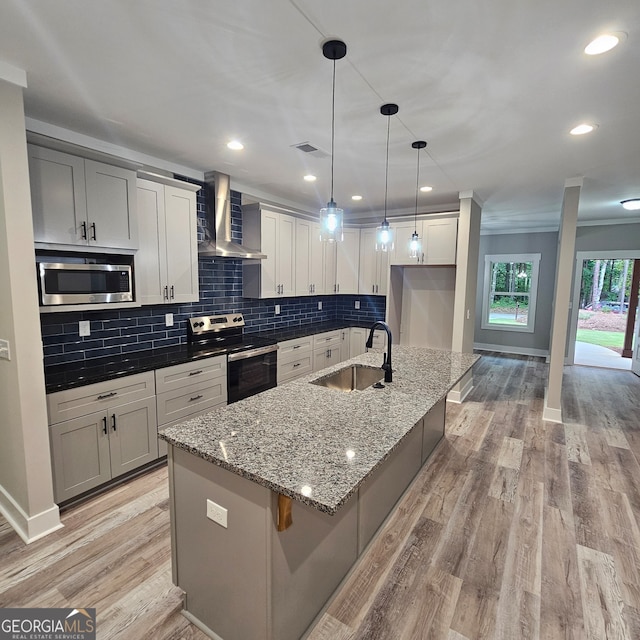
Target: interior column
(562, 298)
(464, 309)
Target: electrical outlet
(357, 304)
(217, 513)
(168, 319)
(84, 328)
(319, 306)
(277, 310)
(5, 351)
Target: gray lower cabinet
(187, 390)
(111, 429)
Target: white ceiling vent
(307, 147)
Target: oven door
(251, 372)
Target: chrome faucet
(386, 362)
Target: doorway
(601, 308)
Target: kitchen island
(334, 463)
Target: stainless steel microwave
(63, 283)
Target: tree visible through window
(510, 285)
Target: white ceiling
(493, 87)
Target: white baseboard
(29, 528)
(519, 351)
(461, 390)
(551, 414)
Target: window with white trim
(509, 294)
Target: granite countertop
(317, 445)
(80, 373)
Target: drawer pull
(195, 373)
(297, 346)
(195, 398)
(297, 364)
(107, 395)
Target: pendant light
(331, 216)
(414, 244)
(384, 233)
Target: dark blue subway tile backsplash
(123, 331)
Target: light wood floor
(516, 529)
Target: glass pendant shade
(414, 246)
(384, 237)
(331, 218)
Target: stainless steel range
(251, 360)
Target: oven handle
(243, 355)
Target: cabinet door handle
(107, 395)
(422, 258)
(376, 288)
(104, 425)
(113, 421)
(195, 398)
(166, 293)
(83, 233)
(93, 231)
(373, 288)
(338, 287)
(195, 373)
(172, 292)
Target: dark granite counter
(80, 373)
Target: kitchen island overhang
(344, 459)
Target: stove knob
(200, 324)
(237, 319)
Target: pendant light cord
(333, 122)
(415, 215)
(386, 175)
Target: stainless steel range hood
(217, 240)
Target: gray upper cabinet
(76, 201)
(167, 261)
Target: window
(509, 294)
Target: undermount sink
(354, 378)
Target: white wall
(26, 489)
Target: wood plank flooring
(516, 529)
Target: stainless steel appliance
(251, 360)
(78, 279)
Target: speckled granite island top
(315, 444)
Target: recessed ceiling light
(583, 128)
(631, 205)
(356, 197)
(235, 145)
(425, 188)
(310, 178)
(601, 44)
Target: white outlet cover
(168, 319)
(277, 310)
(319, 306)
(216, 513)
(357, 304)
(84, 328)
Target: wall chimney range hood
(217, 242)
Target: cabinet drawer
(295, 368)
(81, 401)
(190, 401)
(183, 375)
(327, 340)
(293, 350)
